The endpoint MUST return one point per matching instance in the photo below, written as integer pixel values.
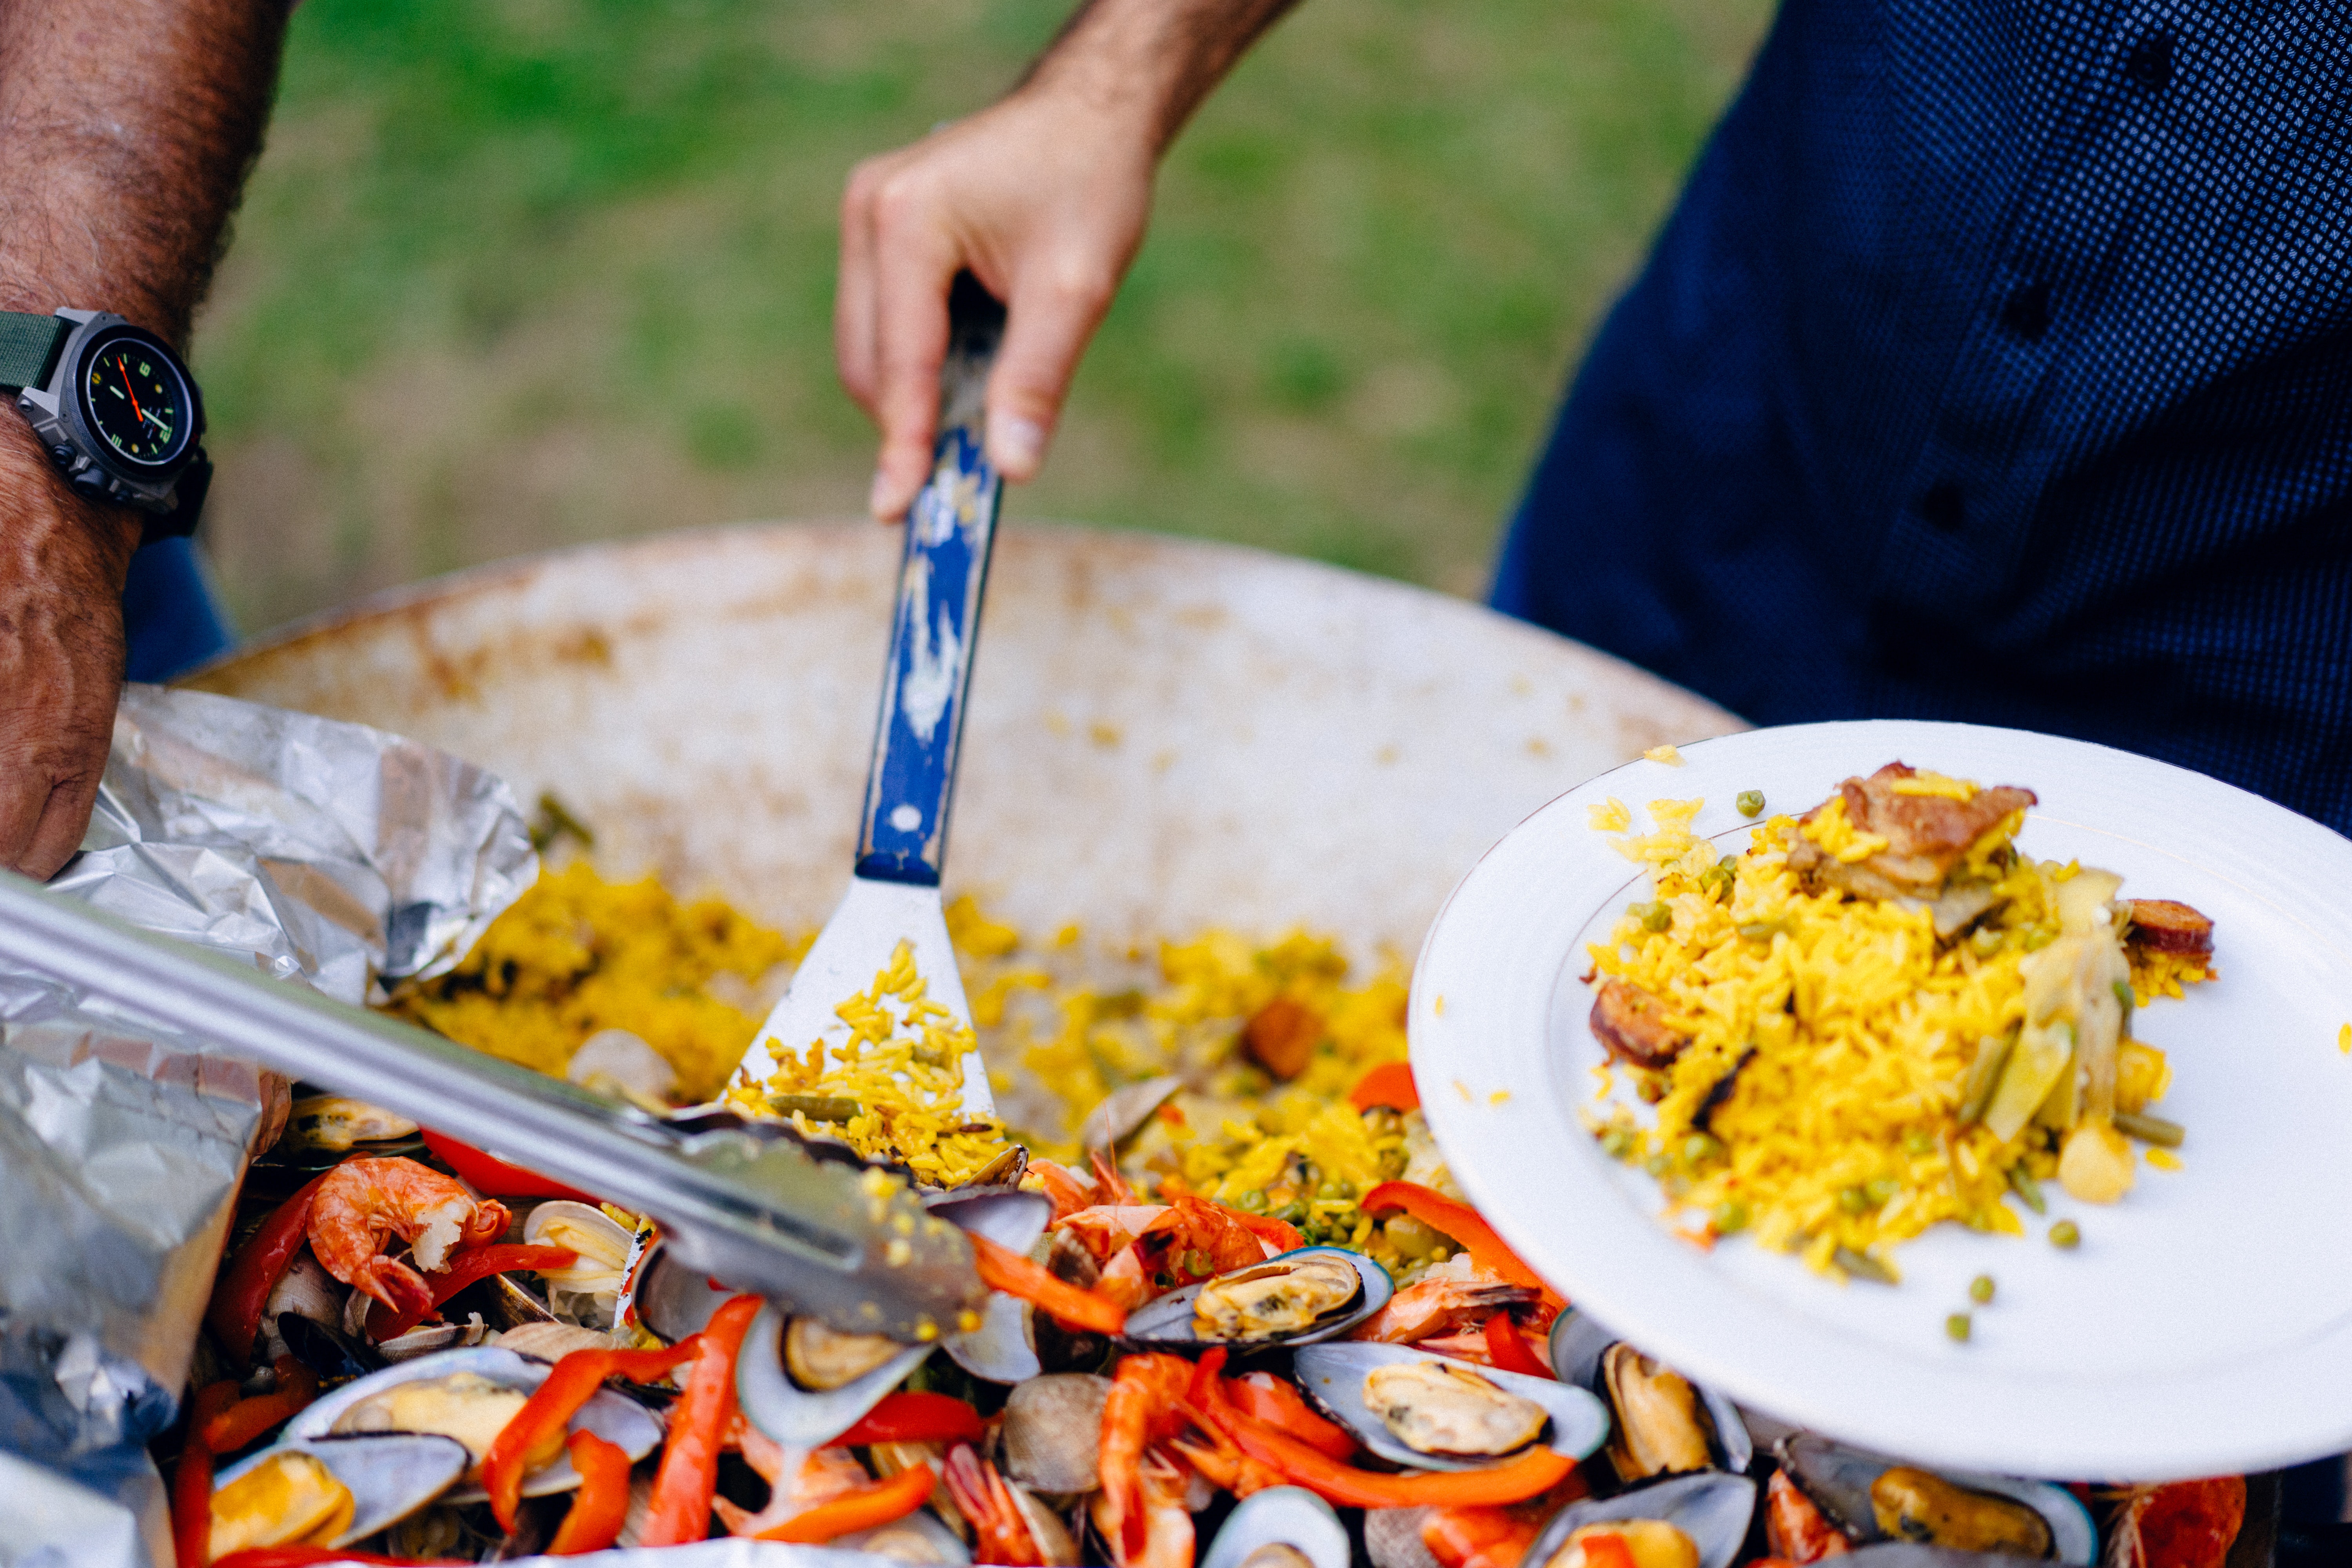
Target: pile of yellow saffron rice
(1845, 1032)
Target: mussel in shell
(1710, 1511)
(1334, 1377)
(821, 1359)
(1649, 1542)
(1297, 1298)
(331, 1491)
(1662, 1427)
(1275, 1298)
(1912, 1504)
(1439, 1408)
(332, 1123)
(463, 1405)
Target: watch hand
(125, 375)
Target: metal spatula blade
(894, 896)
(753, 1211)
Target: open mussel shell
(389, 1474)
(1579, 1343)
(1712, 1507)
(1170, 1320)
(1265, 1523)
(675, 1300)
(1002, 1349)
(334, 1355)
(1839, 1478)
(618, 1419)
(801, 1417)
(1333, 1377)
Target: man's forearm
(1156, 60)
(126, 131)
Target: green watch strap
(28, 347)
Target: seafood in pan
(415, 1364)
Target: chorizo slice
(2163, 925)
(1631, 1025)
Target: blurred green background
(515, 274)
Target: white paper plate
(2204, 1326)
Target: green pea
(1614, 1143)
(1981, 1290)
(1917, 1142)
(1855, 1200)
(2065, 1236)
(1750, 803)
(1882, 1189)
(1253, 1200)
(1657, 917)
(1658, 1164)
(1329, 1193)
(1698, 1147)
(1730, 1216)
(1956, 1328)
(1763, 930)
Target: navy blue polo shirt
(1995, 365)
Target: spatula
(894, 894)
(748, 1207)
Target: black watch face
(137, 402)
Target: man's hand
(130, 125)
(1044, 197)
(61, 567)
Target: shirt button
(1942, 507)
(2026, 312)
(2149, 63)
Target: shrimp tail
(394, 1284)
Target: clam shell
(1577, 1343)
(1333, 1377)
(1052, 1436)
(1838, 1478)
(1002, 1349)
(920, 1538)
(391, 1475)
(798, 1417)
(618, 1419)
(1712, 1507)
(1124, 1109)
(1284, 1516)
(1167, 1320)
(586, 1216)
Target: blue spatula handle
(949, 528)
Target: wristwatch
(117, 410)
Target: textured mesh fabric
(1995, 365)
(25, 342)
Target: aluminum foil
(331, 854)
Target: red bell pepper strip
(1508, 1348)
(601, 1506)
(1266, 1227)
(248, 1419)
(697, 1430)
(1266, 1397)
(862, 1509)
(465, 1268)
(1540, 1469)
(1390, 1084)
(570, 1383)
(303, 1556)
(1461, 1222)
(243, 1287)
(192, 1478)
(913, 1416)
(493, 1178)
(1001, 1268)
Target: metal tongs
(758, 1212)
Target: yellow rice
(1856, 1033)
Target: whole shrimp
(1156, 1529)
(362, 1203)
(1452, 1295)
(1002, 1531)
(1144, 1406)
(1795, 1528)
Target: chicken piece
(1281, 1037)
(1926, 835)
(1632, 1025)
(2161, 925)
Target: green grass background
(515, 274)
